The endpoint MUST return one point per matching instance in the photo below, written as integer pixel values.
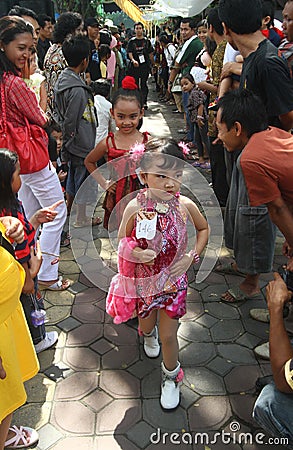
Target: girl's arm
(146, 256)
(202, 229)
(43, 96)
(91, 163)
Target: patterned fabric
(53, 65)
(22, 251)
(289, 372)
(21, 102)
(125, 184)
(286, 50)
(216, 70)
(196, 98)
(154, 287)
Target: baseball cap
(91, 22)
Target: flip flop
(60, 285)
(20, 439)
(239, 295)
(228, 269)
(88, 222)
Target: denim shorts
(77, 174)
(249, 230)
(274, 413)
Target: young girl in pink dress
(153, 240)
(127, 111)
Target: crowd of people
(80, 91)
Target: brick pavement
(98, 391)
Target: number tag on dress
(141, 59)
(146, 224)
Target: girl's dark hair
(102, 87)
(189, 78)
(210, 46)
(104, 50)
(66, 24)
(8, 162)
(127, 94)
(10, 27)
(171, 152)
(202, 23)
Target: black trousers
(141, 78)
(37, 333)
(219, 175)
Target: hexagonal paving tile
(76, 386)
(73, 417)
(221, 310)
(157, 417)
(242, 379)
(119, 416)
(197, 354)
(226, 330)
(90, 295)
(121, 334)
(242, 406)
(204, 382)
(194, 332)
(209, 413)
(193, 311)
(87, 313)
(81, 358)
(236, 353)
(84, 335)
(119, 384)
(120, 357)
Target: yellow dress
(16, 348)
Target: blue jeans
(189, 124)
(273, 411)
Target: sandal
(24, 437)
(59, 285)
(88, 222)
(238, 295)
(228, 269)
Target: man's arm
(280, 347)
(287, 120)
(281, 215)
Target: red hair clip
(129, 83)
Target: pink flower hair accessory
(185, 149)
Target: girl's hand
(2, 370)
(14, 228)
(180, 267)
(110, 186)
(35, 261)
(45, 215)
(29, 285)
(146, 256)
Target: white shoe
(151, 344)
(49, 340)
(171, 381)
(260, 314)
(263, 350)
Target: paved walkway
(98, 391)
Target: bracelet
(194, 255)
(200, 117)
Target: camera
(287, 276)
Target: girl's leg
(147, 325)
(4, 427)
(168, 337)
(198, 142)
(172, 374)
(150, 335)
